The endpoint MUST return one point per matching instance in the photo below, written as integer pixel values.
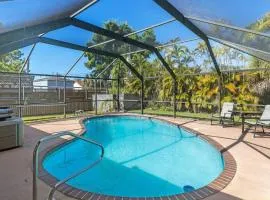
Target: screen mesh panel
(150, 24)
(164, 34)
(229, 58)
(19, 14)
(241, 13)
(49, 59)
(259, 42)
(78, 67)
(192, 57)
(72, 35)
(116, 47)
(251, 51)
(243, 24)
(126, 18)
(137, 14)
(85, 38)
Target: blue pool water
(143, 158)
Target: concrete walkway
(252, 180)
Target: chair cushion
(216, 116)
(250, 122)
(227, 109)
(266, 114)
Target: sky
(138, 14)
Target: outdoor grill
(11, 129)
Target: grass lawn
(30, 119)
(201, 116)
(170, 113)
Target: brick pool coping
(212, 188)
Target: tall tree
(97, 63)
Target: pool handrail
(35, 161)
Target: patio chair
(78, 113)
(225, 115)
(263, 121)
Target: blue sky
(138, 14)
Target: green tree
(179, 55)
(261, 25)
(139, 61)
(97, 63)
(11, 62)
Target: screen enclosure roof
(75, 24)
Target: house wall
(41, 84)
(77, 86)
(49, 84)
(60, 84)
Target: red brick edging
(214, 187)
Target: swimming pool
(144, 157)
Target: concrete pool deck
(252, 155)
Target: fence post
(20, 97)
(142, 95)
(96, 96)
(118, 94)
(86, 93)
(174, 97)
(23, 93)
(219, 94)
(64, 95)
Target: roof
(52, 79)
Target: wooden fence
(49, 109)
